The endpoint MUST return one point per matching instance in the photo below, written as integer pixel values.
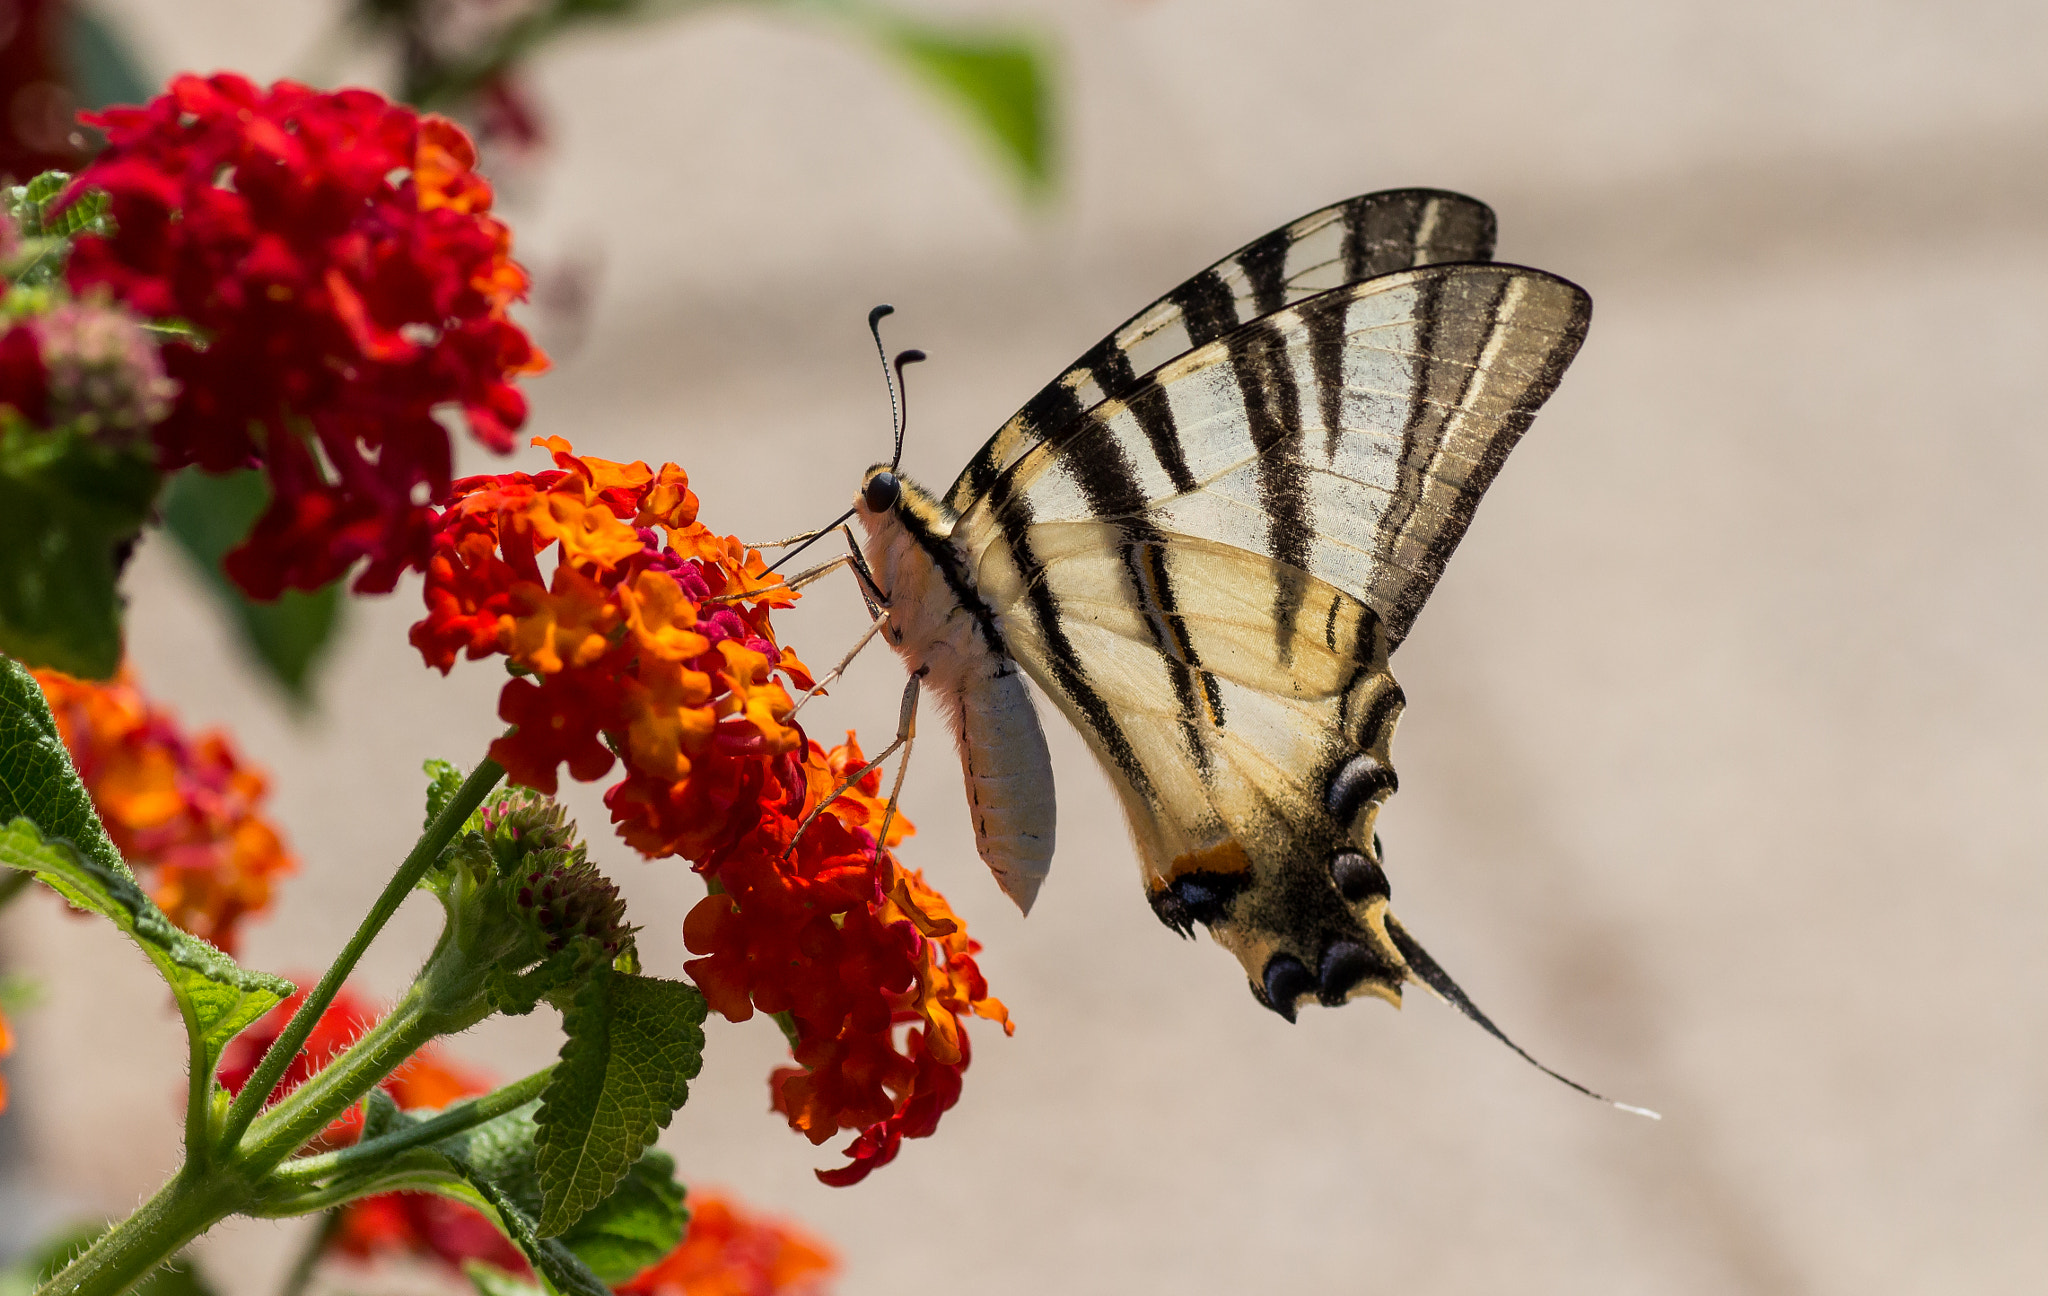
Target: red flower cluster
(184, 810)
(870, 964)
(336, 254)
(658, 647)
(730, 1251)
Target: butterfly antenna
(903, 358)
(875, 318)
(1431, 973)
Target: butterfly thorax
(949, 637)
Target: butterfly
(1202, 542)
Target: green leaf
(52, 831)
(444, 780)
(288, 637)
(71, 507)
(496, 1160)
(1000, 79)
(637, 1226)
(490, 1281)
(634, 1044)
(104, 69)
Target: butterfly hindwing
(1360, 238)
(1243, 777)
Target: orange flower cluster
(650, 643)
(871, 967)
(733, 1252)
(183, 809)
(650, 639)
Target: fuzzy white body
(982, 691)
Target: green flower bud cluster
(528, 913)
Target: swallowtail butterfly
(1203, 541)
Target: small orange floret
(730, 1251)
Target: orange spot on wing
(1224, 857)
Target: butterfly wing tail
(1430, 973)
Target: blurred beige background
(1723, 764)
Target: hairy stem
(424, 852)
(462, 1116)
(124, 1255)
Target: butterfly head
(880, 489)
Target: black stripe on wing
(1359, 238)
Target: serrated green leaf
(999, 79)
(444, 780)
(70, 510)
(31, 207)
(37, 780)
(289, 636)
(634, 1044)
(637, 1226)
(52, 831)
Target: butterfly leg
(906, 730)
(881, 619)
(906, 738)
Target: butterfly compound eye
(880, 493)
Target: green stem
(422, 1174)
(12, 884)
(124, 1255)
(455, 1120)
(311, 1107)
(424, 852)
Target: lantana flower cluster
(335, 257)
(649, 643)
(184, 809)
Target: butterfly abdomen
(945, 632)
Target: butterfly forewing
(1349, 436)
(1357, 239)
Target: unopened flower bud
(101, 364)
(564, 897)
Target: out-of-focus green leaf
(1000, 78)
(209, 515)
(104, 70)
(71, 507)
